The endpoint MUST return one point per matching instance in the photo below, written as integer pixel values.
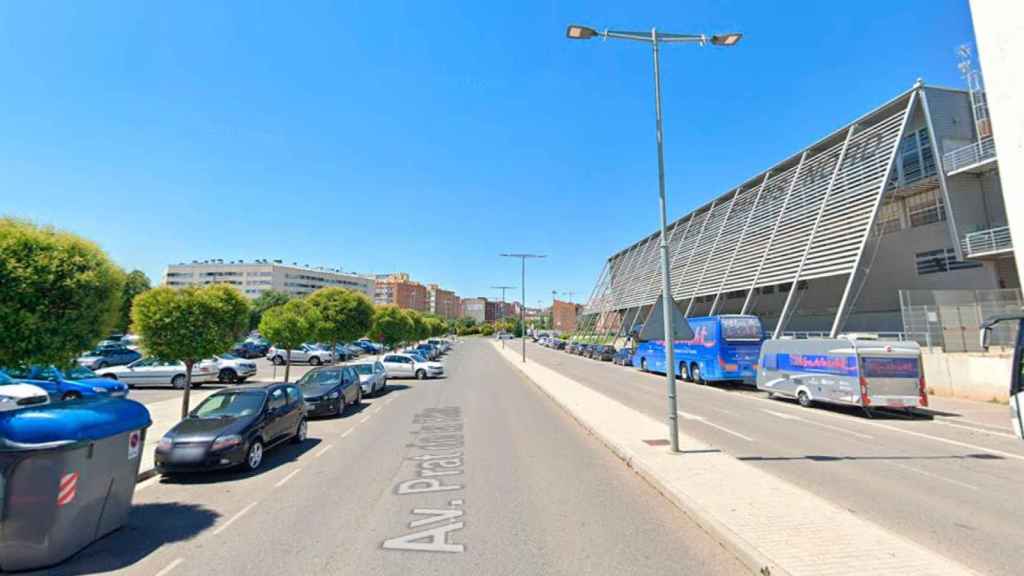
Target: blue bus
(723, 348)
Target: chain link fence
(950, 319)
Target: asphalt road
(478, 473)
(945, 481)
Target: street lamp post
(522, 307)
(655, 38)
(502, 288)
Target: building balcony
(973, 158)
(988, 243)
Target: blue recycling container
(67, 475)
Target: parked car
(233, 370)
(623, 357)
(443, 345)
(369, 347)
(14, 395)
(156, 372)
(307, 353)
(233, 427)
(341, 352)
(603, 352)
(78, 382)
(428, 351)
(112, 354)
(411, 366)
(372, 377)
(250, 349)
(329, 390)
(558, 344)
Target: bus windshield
(742, 329)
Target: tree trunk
(188, 388)
(287, 363)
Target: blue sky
(424, 137)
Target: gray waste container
(67, 475)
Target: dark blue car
(77, 382)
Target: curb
(145, 475)
(747, 554)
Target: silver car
(372, 377)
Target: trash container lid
(69, 422)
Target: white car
(156, 372)
(411, 366)
(231, 369)
(16, 396)
(307, 353)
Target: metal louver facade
(808, 217)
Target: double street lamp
(654, 38)
(522, 307)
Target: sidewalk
(165, 414)
(772, 526)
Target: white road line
(167, 569)
(231, 520)
(936, 476)
(851, 420)
(973, 429)
(389, 400)
(284, 480)
(323, 450)
(376, 409)
(704, 421)
(367, 417)
(813, 423)
(722, 410)
(347, 432)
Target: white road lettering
(436, 540)
(436, 516)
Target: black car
(581, 349)
(233, 427)
(602, 352)
(624, 357)
(329, 390)
(250, 350)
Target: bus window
(741, 329)
(891, 368)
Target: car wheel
(70, 396)
(314, 360)
(178, 381)
(278, 361)
(804, 398)
(110, 376)
(421, 374)
(300, 434)
(227, 376)
(241, 380)
(359, 396)
(254, 455)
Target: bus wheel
(695, 374)
(803, 398)
(643, 364)
(684, 373)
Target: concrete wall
(982, 377)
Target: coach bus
(723, 348)
(1016, 368)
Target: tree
(419, 331)
(135, 282)
(486, 329)
(190, 324)
(261, 303)
(59, 294)
(344, 315)
(288, 326)
(391, 325)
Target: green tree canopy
(59, 294)
(261, 303)
(344, 315)
(391, 325)
(486, 329)
(419, 325)
(135, 282)
(190, 324)
(289, 325)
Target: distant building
(442, 302)
(400, 290)
(254, 278)
(563, 315)
(479, 309)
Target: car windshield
(320, 378)
(228, 357)
(418, 357)
(230, 405)
(18, 372)
(363, 368)
(5, 379)
(79, 373)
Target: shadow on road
(273, 458)
(149, 527)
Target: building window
(941, 260)
(915, 159)
(889, 217)
(925, 208)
